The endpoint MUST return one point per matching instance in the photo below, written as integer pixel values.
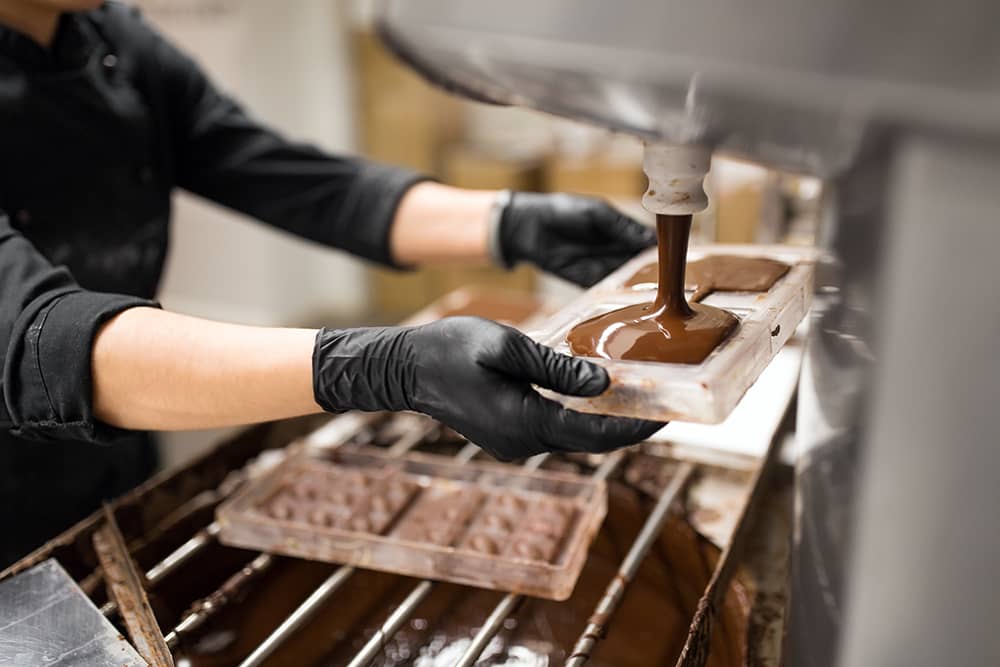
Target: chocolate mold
(704, 392)
(479, 524)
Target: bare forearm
(163, 371)
(437, 223)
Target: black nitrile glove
(576, 238)
(475, 376)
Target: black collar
(74, 42)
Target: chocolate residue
(719, 273)
(667, 330)
(649, 628)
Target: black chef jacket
(95, 133)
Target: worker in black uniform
(100, 119)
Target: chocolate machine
(896, 105)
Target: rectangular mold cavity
(479, 524)
(702, 393)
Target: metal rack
(413, 434)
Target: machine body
(897, 106)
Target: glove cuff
(494, 239)
(361, 369)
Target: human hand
(576, 238)
(475, 376)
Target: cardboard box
(470, 167)
(595, 175)
(402, 119)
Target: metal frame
(208, 606)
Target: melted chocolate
(667, 330)
(726, 273)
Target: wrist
(499, 255)
(441, 224)
(361, 369)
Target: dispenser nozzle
(676, 178)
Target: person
(100, 119)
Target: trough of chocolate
(769, 307)
(479, 524)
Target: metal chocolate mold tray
(706, 392)
(479, 524)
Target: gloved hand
(475, 376)
(576, 238)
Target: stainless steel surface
(125, 585)
(897, 398)
(777, 81)
(630, 564)
(45, 619)
(921, 585)
(833, 392)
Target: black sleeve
(47, 329)
(223, 154)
